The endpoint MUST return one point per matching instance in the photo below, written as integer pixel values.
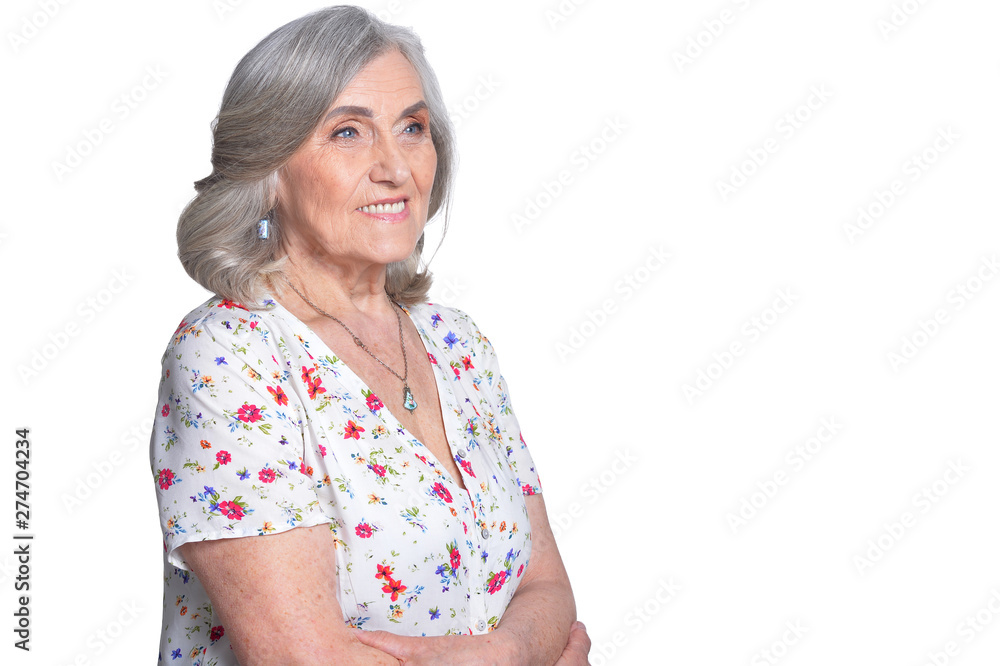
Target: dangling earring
(262, 229)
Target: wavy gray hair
(275, 99)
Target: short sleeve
(502, 419)
(227, 445)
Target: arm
(535, 628)
(277, 596)
(538, 619)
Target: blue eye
(342, 133)
(418, 127)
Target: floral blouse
(261, 428)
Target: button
(481, 625)
(485, 533)
(461, 453)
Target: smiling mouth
(384, 208)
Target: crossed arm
(259, 609)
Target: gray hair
(276, 97)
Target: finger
(380, 640)
(579, 640)
(577, 647)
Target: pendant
(408, 400)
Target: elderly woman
(340, 475)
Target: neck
(349, 293)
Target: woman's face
(357, 191)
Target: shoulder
(218, 333)
(453, 325)
(220, 321)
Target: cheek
(426, 168)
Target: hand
(485, 649)
(577, 647)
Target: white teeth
(384, 208)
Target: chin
(391, 251)
(390, 256)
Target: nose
(390, 164)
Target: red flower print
(231, 510)
(520, 569)
(305, 469)
(205, 444)
(166, 478)
(456, 559)
(249, 413)
(352, 429)
(497, 582)
(378, 469)
(384, 572)
(315, 389)
(223, 457)
(217, 633)
(466, 465)
(456, 371)
(527, 489)
(432, 359)
(278, 394)
(229, 305)
(467, 363)
(267, 475)
(364, 530)
(166, 410)
(441, 492)
(394, 586)
(322, 450)
(374, 403)
(421, 458)
(307, 373)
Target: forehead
(388, 79)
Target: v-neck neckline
(449, 420)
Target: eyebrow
(365, 112)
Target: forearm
(537, 621)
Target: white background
(597, 368)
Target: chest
(426, 421)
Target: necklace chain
(408, 400)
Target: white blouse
(261, 428)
